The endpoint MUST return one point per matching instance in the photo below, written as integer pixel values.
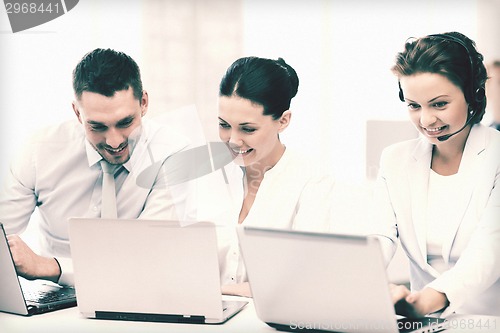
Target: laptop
(25, 297)
(318, 282)
(148, 270)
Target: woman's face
(436, 106)
(251, 136)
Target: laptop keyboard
(42, 297)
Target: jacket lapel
(418, 176)
(467, 177)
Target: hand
(419, 303)
(239, 289)
(399, 294)
(29, 264)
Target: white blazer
(471, 248)
(295, 194)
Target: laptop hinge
(152, 317)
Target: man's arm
(17, 203)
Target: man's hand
(29, 264)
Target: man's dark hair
(105, 71)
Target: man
(493, 93)
(61, 171)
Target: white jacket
(471, 249)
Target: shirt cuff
(66, 278)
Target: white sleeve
(383, 223)
(170, 202)
(17, 197)
(177, 202)
(314, 208)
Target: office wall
(36, 65)
(187, 46)
(182, 47)
(342, 51)
(488, 36)
(488, 28)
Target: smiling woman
(439, 194)
(252, 137)
(438, 108)
(272, 185)
(254, 101)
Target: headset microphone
(447, 136)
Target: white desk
(70, 320)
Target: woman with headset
(440, 194)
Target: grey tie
(108, 204)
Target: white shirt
(59, 172)
(444, 193)
(295, 194)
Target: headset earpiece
(479, 95)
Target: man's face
(111, 123)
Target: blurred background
(346, 109)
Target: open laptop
(322, 282)
(20, 296)
(148, 270)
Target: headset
(477, 95)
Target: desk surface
(70, 320)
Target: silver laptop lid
(11, 295)
(145, 266)
(317, 281)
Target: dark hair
(105, 71)
(452, 55)
(270, 83)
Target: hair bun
(294, 79)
